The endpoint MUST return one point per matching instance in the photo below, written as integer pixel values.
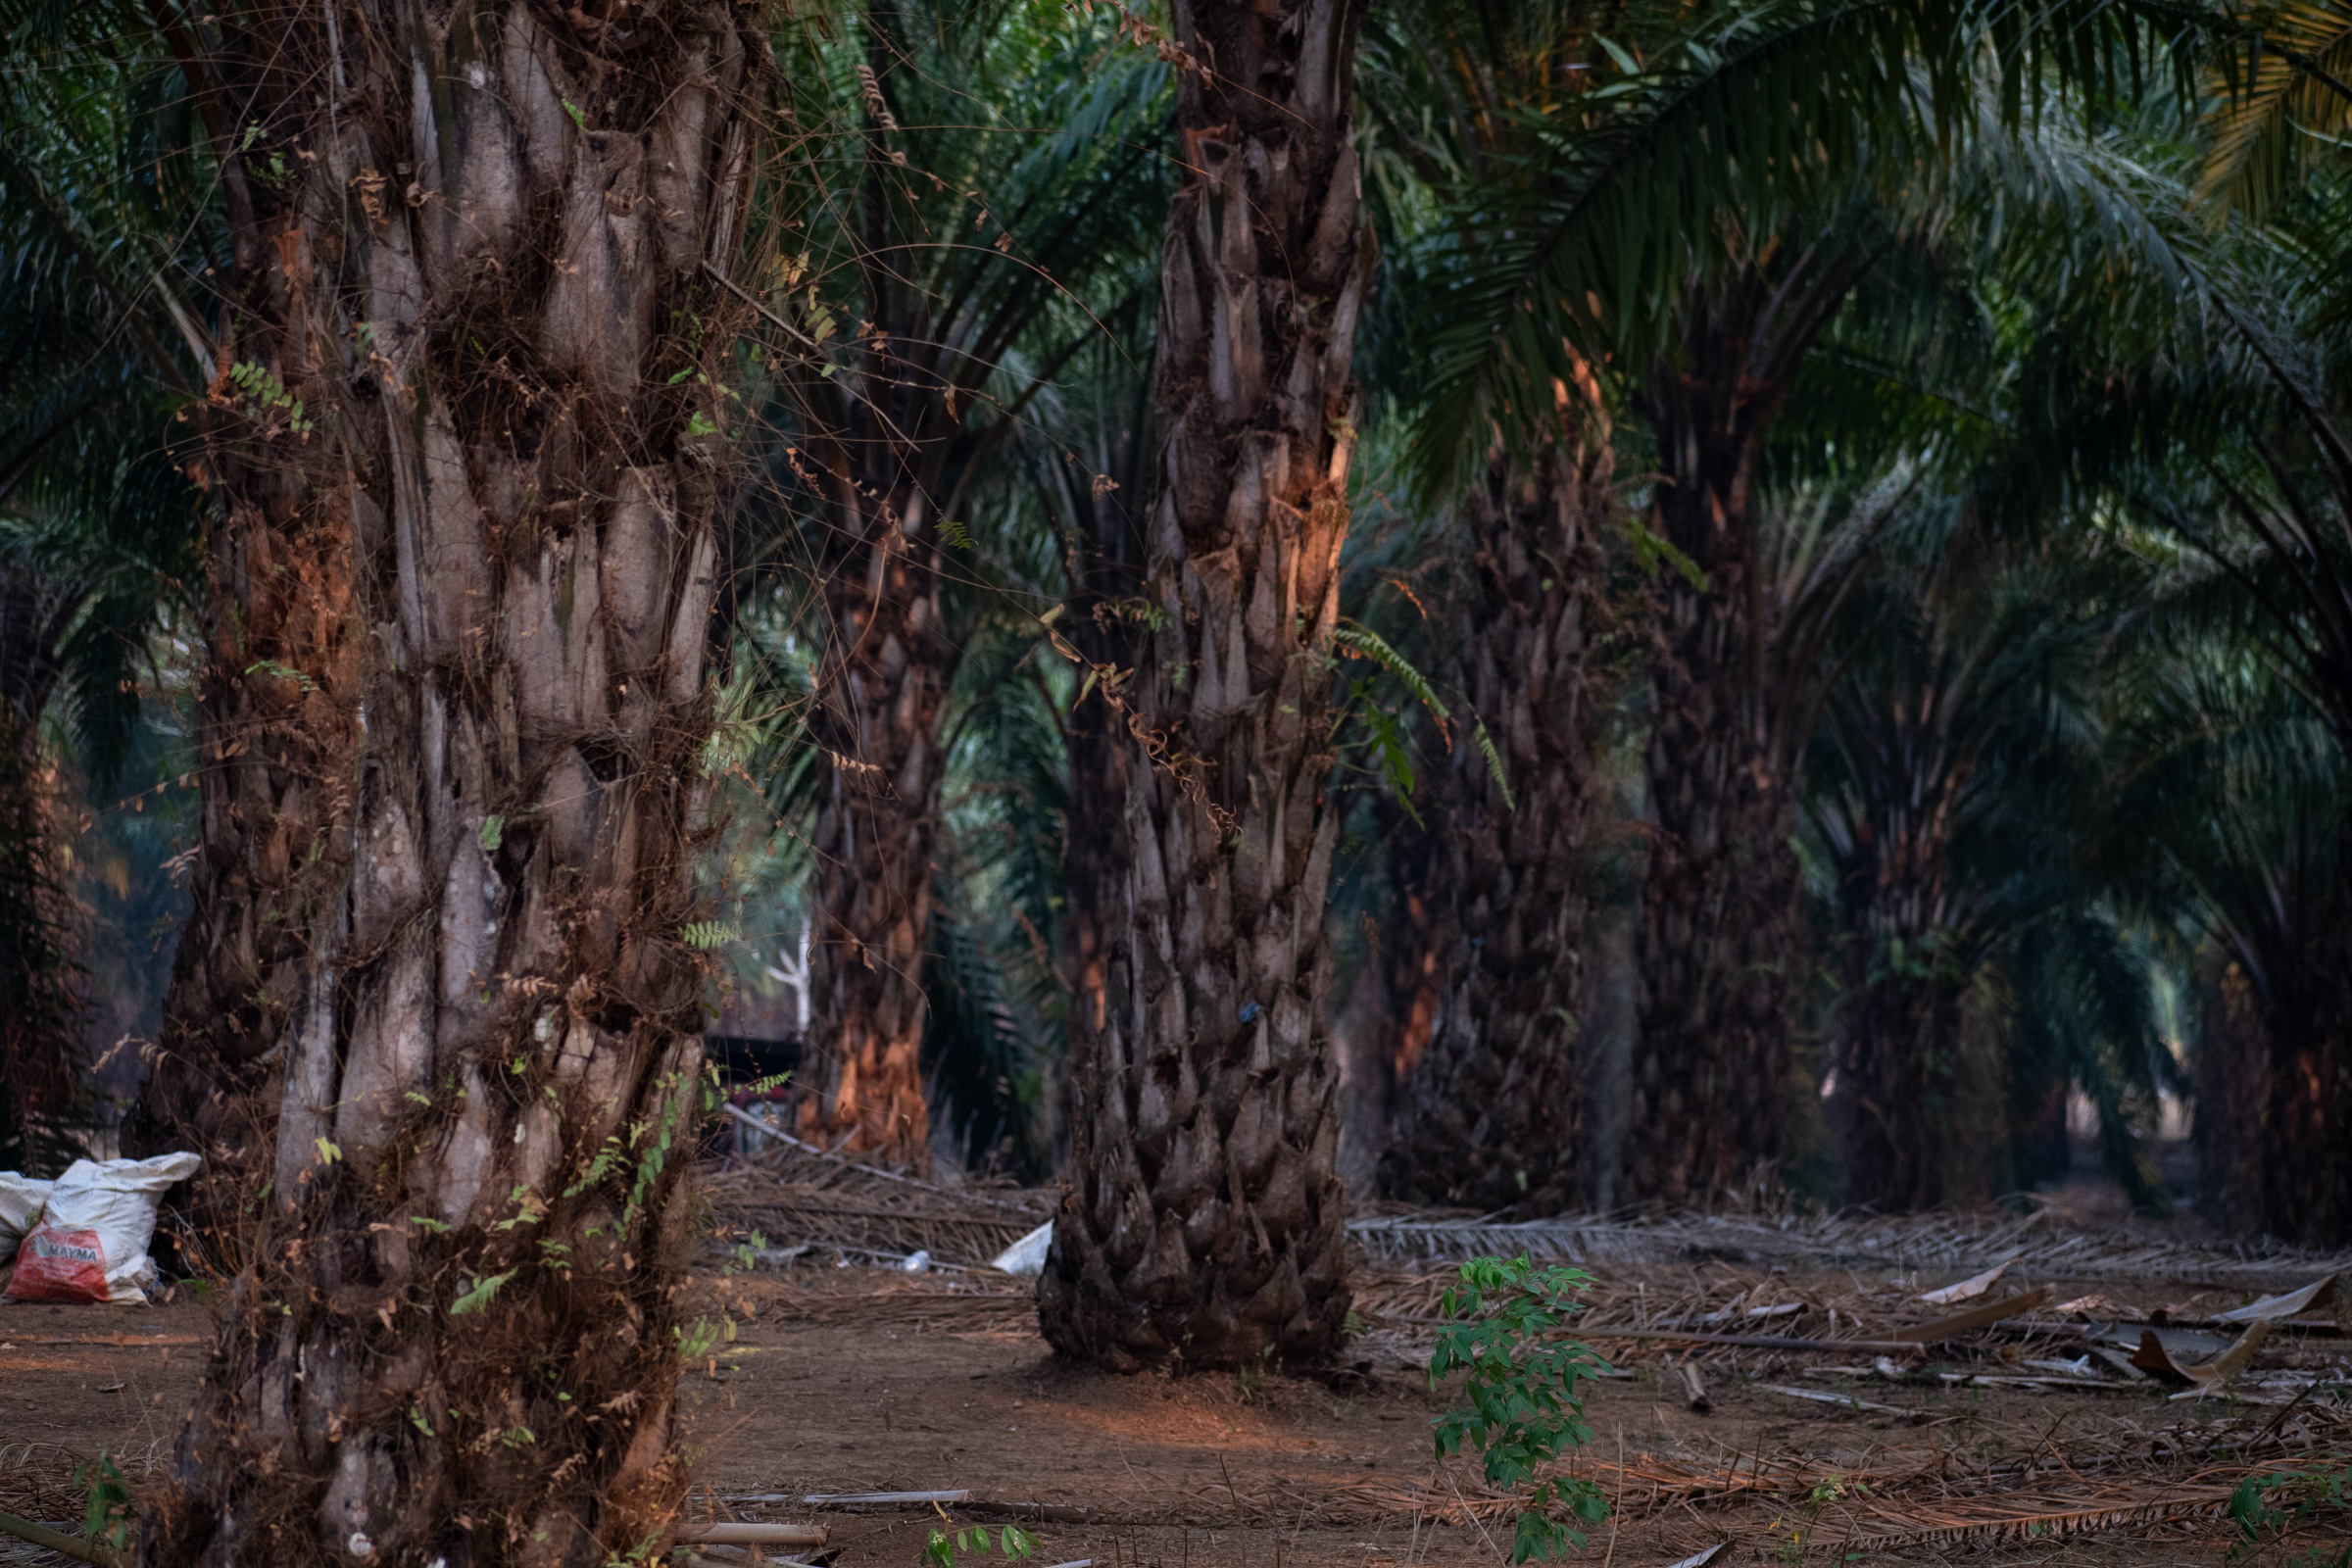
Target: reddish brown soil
(857, 1380)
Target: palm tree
(1733, 697)
(1493, 867)
(1945, 784)
(2218, 428)
(463, 437)
(94, 521)
(1204, 1224)
(1487, 1099)
(993, 178)
(1639, 242)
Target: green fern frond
(1365, 643)
(710, 934)
(1493, 756)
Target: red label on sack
(54, 1265)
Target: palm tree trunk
(885, 672)
(452, 726)
(1489, 1115)
(279, 699)
(42, 1060)
(886, 669)
(1100, 756)
(1894, 1083)
(1909, 745)
(1717, 932)
(1205, 1223)
(2307, 1120)
(2233, 1068)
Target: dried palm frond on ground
(1903, 1243)
(37, 1479)
(1882, 1525)
(795, 1194)
(992, 1302)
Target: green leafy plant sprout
(709, 934)
(1653, 550)
(280, 671)
(697, 1341)
(2272, 1505)
(1829, 1489)
(266, 400)
(1018, 1544)
(744, 1256)
(1389, 740)
(106, 1515)
(1519, 1384)
(480, 1295)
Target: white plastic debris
(21, 1200)
(1028, 1255)
(917, 1261)
(91, 1241)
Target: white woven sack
(21, 1200)
(106, 1209)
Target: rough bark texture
(451, 727)
(277, 753)
(1719, 905)
(2233, 1052)
(885, 672)
(43, 1061)
(1489, 1112)
(1205, 1223)
(1410, 945)
(1895, 1088)
(1908, 747)
(2307, 1111)
(1103, 571)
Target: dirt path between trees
(858, 1380)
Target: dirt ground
(845, 1380)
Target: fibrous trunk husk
(1717, 933)
(464, 455)
(1205, 1220)
(43, 1062)
(2234, 1075)
(1894, 1081)
(2307, 1120)
(879, 687)
(1489, 1109)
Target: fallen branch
(1819, 1396)
(59, 1540)
(2040, 1522)
(1943, 1328)
(723, 1532)
(1694, 1389)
